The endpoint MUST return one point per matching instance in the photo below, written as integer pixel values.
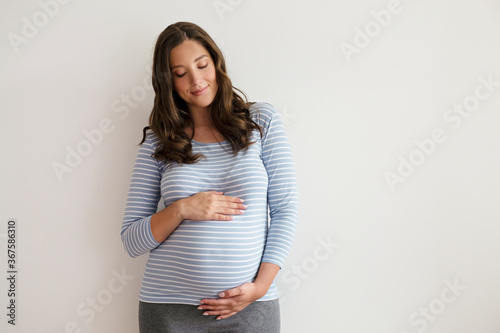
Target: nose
(196, 78)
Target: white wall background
(368, 257)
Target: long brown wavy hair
(229, 111)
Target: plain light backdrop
(392, 109)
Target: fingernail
(200, 308)
(221, 294)
(244, 206)
(241, 211)
(218, 318)
(241, 200)
(205, 314)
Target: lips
(199, 92)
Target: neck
(201, 117)
(203, 129)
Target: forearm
(164, 222)
(202, 206)
(265, 277)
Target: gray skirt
(258, 317)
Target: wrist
(261, 288)
(179, 207)
(265, 277)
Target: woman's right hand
(211, 205)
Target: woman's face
(194, 74)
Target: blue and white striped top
(202, 258)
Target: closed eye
(183, 74)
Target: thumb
(215, 192)
(230, 292)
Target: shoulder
(149, 147)
(150, 139)
(150, 143)
(263, 113)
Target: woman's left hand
(231, 301)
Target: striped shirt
(202, 258)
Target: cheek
(178, 86)
(211, 76)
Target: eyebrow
(195, 60)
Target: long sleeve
(282, 188)
(142, 202)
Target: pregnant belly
(201, 259)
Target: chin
(206, 102)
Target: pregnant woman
(224, 171)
